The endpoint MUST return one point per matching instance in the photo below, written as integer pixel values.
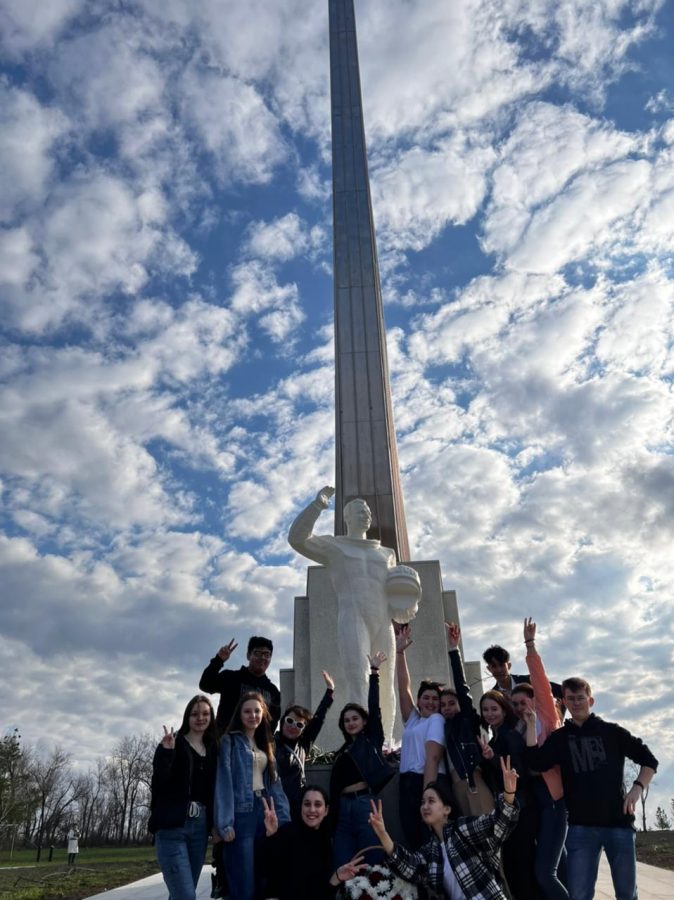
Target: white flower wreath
(387, 886)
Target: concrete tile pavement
(653, 883)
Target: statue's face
(358, 515)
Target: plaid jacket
(472, 846)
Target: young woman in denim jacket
(248, 793)
(359, 773)
(183, 779)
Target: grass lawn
(97, 869)
(656, 848)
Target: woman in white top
(423, 743)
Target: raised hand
(453, 633)
(168, 742)
(376, 819)
(487, 751)
(377, 659)
(270, 817)
(351, 868)
(510, 776)
(529, 713)
(529, 630)
(327, 678)
(403, 639)
(226, 651)
(324, 495)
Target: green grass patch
(98, 869)
(656, 848)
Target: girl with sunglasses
(294, 740)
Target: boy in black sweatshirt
(591, 754)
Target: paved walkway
(654, 884)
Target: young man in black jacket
(591, 755)
(231, 684)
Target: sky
(166, 326)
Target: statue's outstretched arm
(301, 537)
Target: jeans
(410, 791)
(180, 854)
(354, 832)
(519, 855)
(550, 844)
(240, 853)
(584, 845)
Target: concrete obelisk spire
(366, 452)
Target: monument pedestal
(315, 647)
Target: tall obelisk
(366, 453)
(366, 450)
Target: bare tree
(128, 772)
(17, 794)
(54, 785)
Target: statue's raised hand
(324, 496)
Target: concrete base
(315, 646)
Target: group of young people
(516, 798)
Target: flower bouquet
(378, 883)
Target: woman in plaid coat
(461, 859)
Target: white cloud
(28, 131)
(234, 124)
(105, 79)
(417, 194)
(25, 24)
(282, 238)
(258, 293)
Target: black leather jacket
(461, 732)
(366, 750)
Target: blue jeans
(240, 853)
(550, 844)
(584, 845)
(354, 832)
(180, 854)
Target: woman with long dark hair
(460, 857)
(359, 773)
(472, 796)
(248, 793)
(298, 858)
(183, 781)
(423, 742)
(519, 851)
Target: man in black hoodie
(591, 755)
(231, 684)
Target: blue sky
(165, 283)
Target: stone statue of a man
(359, 568)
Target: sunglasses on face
(261, 654)
(294, 723)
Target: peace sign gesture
(270, 817)
(487, 751)
(227, 649)
(510, 776)
(168, 742)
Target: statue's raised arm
(301, 536)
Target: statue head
(357, 516)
